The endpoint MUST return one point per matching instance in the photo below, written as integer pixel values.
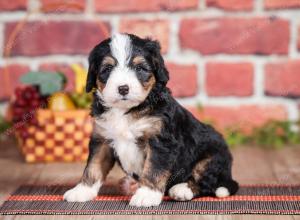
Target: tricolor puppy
(142, 127)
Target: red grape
(27, 95)
(27, 100)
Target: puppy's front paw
(181, 192)
(145, 197)
(82, 192)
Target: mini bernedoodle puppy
(138, 124)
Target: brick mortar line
(202, 5)
(9, 17)
(258, 6)
(200, 13)
(189, 56)
(201, 75)
(33, 5)
(115, 24)
(236, 101)
(42, 59)
(259, 79)
(236, 57)
(181, 58)
(12, 16)
(89, 9)
(293, 47)
(52, 17)
(34, 66)
(174, 41)
(208, 13)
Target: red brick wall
(239, 58)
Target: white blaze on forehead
(120, 46)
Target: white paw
(82, 192)
(145, 197)
(181, 192)
(222, 192)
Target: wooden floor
(251, 166)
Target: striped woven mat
(264, 199)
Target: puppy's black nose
(123, 90)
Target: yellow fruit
(60, 102)
(80, 77)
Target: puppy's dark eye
(143, 75)
(140, 68)
(104, 73)
(107, 69)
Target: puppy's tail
(226, 188)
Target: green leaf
(4, 125)
(48, 82)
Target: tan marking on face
(99, 165)
(108, 61)
(100, 85)
(138, 60)
(149, 84)
(200, 168)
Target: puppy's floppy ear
(91, 78)
(160, 70)
(92, 71)
(95, 59)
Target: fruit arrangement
(46, 90)
(51, 124)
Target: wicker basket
(57, 137)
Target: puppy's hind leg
(203, 181)
(215, 178)
(226, 185)
(99, 164)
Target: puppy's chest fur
(124, 130)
